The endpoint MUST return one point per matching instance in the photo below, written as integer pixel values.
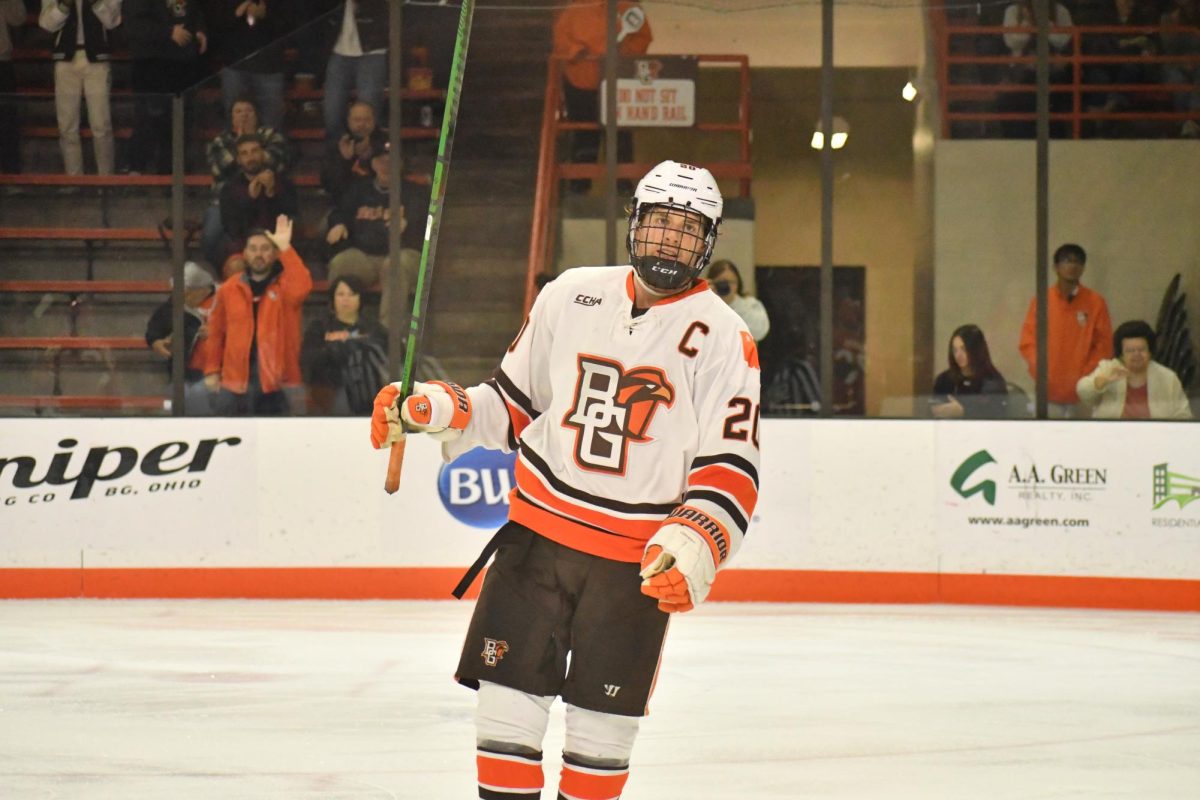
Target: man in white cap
(199, 293)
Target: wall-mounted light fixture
(841, 132)
(909, 92)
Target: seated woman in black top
(344, 354)
(972, 387)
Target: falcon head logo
(641, 391)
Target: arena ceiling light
(841, 132)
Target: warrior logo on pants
(493, 651)
(614, 406)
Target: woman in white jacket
(1132, 385)
(727, 283)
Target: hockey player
(632, 397)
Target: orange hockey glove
(440, 409)
(677, 568)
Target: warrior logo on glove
(613, 407)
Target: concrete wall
(874, 205)
(883, 33)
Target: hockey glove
(442, 410)
(677, 568)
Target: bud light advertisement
(474, 487)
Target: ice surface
(142, 700)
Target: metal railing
(551, 171)
(1077, 85)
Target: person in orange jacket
(580, 39)
(1080, 334)
(254, 327)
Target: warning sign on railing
(654, 91)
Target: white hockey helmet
(686, 191)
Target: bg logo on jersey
(474, 487)
(613, 407)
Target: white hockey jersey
(624, 421)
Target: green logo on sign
(1169, 486)
(959, 479)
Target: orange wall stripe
(746, 585)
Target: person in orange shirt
(254, 327)
(1080, 332)
(580, 39)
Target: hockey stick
(437, 196)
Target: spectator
(1019, 43)
(581, 39)
(1022, 43)
(1184, 13)
(1079, 335)
(199, 293)
(972, 387)
(349, 156)
(249, 40)
(727, 283)
(254, 328)
(222, 163)
(344, 356)
(82, 69)
(1136, 44)
(253, 197)
(166, 40)
(1132, 385)
(358, 61)
(358, 233)
(12, 12)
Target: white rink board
(858, 495)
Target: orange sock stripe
(587, 783)
(509, 773)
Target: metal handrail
(944, 31)
(551, 172)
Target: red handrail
(551, 172)
(73, 342)
(55, 179)
(142, 403)
(944, 31)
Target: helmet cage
(664, 272)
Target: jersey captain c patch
(612, 408)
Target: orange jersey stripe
(572, 534)
(513, 773)
(531, 485)
(517, 418)
(734, 483)
(580, 783)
